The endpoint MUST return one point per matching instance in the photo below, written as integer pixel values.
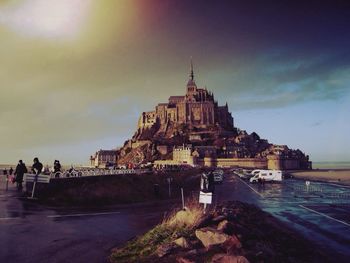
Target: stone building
(182, 155)
(104, 158)
(197, 108)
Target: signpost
(183, 198)
(205, 198)
(34, 178)
(169, 179)
(7, 182)
(205, 194)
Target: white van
(266, 176)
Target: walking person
(211, 183)
(11, 171)
(21, 169)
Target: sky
(76, 74)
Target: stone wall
(259, 163)
(272, 162)
(279, 163)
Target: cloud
(280, 80)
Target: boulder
(226, 227)
(196, 252)
(184, 260)
(210, 236)
(165, 249)
(218, 218)
(182, 242)
(224, 258)
(185, 217)
(232, 244)
(204, 221)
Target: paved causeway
(320, 211)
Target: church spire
(191, 70)
(191, 85)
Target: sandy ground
(341, 176)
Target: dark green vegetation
(143, 247)
(116, 189)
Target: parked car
(218, 176)
(243, 174)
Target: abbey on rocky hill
(197, 109)
(194, 130)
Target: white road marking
(78, 215)
(327, 216)
(8, 218)
(339, 185)
(7, 196)
(251, 188)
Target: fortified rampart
(258, 163)
(271, 162)
(282, 163)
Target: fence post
(34, 184)
(183, 199)
(7, 182)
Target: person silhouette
(37, 166)
(57, 168)
(21, 169)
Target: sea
(331, 165)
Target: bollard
(169, 179)
(156, 190)
(7, 182)
(183, 199)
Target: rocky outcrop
(165, 249)
(232, 233)
(182, 242)
(224, 258)
(210, 237)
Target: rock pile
(213, 237)
(234, 232)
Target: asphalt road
(320, 212)
(33, 233)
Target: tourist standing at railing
(21, 169)
(57, 168)
(37, 166)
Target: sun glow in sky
(61, 19)
(76, 74)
